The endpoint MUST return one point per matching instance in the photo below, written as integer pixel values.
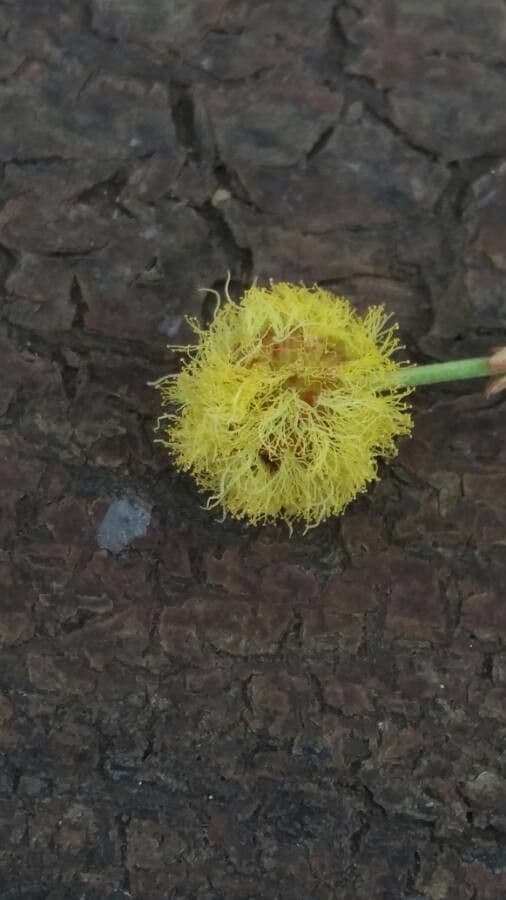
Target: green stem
(435, 373)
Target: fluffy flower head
(285, 404)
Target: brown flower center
(287, 352)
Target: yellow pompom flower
(286, 403)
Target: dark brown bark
(201, 710)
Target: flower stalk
(454, 370)
(437, 373)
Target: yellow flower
(284, 405)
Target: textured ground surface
(198, 710)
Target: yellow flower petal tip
(279, 410)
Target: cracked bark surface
(196, 709)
